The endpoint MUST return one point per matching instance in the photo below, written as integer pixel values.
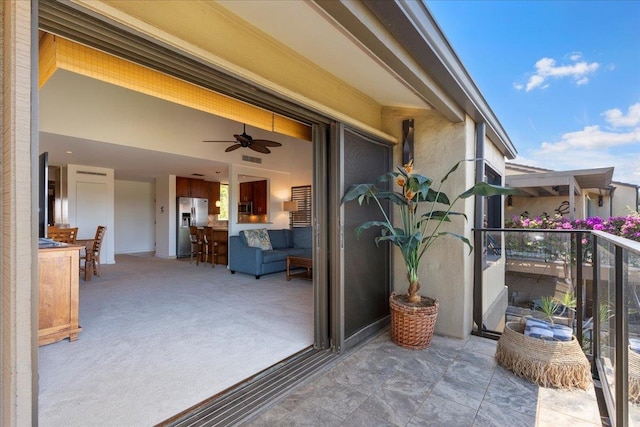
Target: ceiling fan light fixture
(244, 140)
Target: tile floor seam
(429, 393)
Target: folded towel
(562, 332)
(538, 332)
(535, 323)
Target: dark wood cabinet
(220, 238)
(255, 192)
(260, 197)
(189, 187)
(214, 196)
(246, 192)
(183, 187)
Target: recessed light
(69, 152)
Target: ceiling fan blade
(220, 141)
(267, 143)
(242, 139)
(259, 148)
(232, 147)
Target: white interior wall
(86, 210)
(134, 217)
(165, 216)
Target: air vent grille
(91, 173)
(251, 159)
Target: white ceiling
(305, 28)
(301, 26)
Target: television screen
(43, 205)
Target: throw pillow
(258, 239)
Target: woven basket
(634, 376)
(560, 364)
(412, 327)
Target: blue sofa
(256, 261)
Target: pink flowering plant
(623, 226)
(556, 246)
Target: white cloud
(591, 138)
(616, 118)
(546, 69)
(626, 167)
(594, 147)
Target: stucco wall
(446, 272)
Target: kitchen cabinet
(213, 191)
(189, 187)
(260, 197)
(59, 293)
(220, 239)
(255, 192)
(246, 192)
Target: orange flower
(408, 167)
(409, 194)
(400, 181)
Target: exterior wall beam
(18, 249)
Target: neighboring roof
(554, 183)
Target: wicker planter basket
(546, 363)
(412, 327)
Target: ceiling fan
(245, 140)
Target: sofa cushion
(274, 255)
(302, 237)
(278, 239)
(258, 238)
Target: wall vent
(91, 173)
(197, 174)
(252, 159)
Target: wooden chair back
(97, 241)
(64, 235)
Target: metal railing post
(477, 281)
(595, 329)
(621, 367)
(579, 291)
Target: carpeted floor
(162, 335)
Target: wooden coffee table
(299, 262)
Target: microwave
(245, 208)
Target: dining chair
(64, 235)
(92, 255)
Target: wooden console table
(296, 261)
(59, 270)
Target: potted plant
(413, 315)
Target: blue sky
(563, 77)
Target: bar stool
(196, 245)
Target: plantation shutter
(302, 195)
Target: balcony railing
(589, 280)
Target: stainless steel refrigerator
(190, 212)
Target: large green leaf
(486, 189)
(358, 190)
(369, 224)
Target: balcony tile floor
(452, 383)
